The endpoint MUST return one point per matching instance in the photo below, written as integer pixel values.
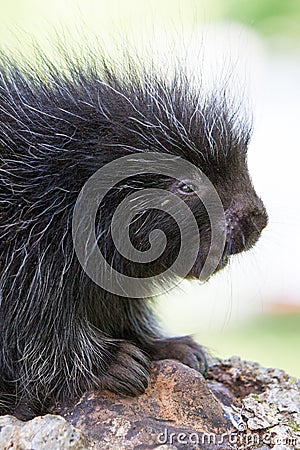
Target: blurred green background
(252, 309)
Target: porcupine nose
(245, 220)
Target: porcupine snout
(245, 219)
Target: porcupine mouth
(224, 260)
(221, 264)
(216, 263)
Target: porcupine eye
(187, 188)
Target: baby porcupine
(60, 332)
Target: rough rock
(240, 406)
(178, 400)
(48, 433)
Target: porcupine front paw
(128, 373)
(184, 349)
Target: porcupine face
(215, 142)
(245, 218)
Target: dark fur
(61, 334)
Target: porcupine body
(60, 333)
